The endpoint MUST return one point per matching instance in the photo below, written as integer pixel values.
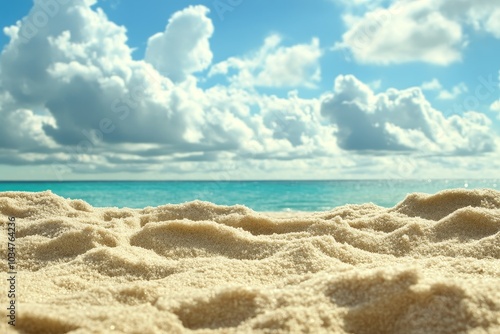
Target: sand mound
(431, 264)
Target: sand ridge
(431, 264)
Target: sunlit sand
(431, 264)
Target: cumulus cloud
(275, 65)
(76, 67)
(409, 31)
(288, 125)
(434, 84)
(482, 15)
(183, 48)
(444, 94)
(79, 68)
(453, 93)
(401, 120)
(21, 128)
(71, 95)
(73, 91)
(495, 106)
(493, 23)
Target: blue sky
(327, 89)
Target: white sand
(429, 265)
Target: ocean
(257, 195)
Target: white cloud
(275, 65)
(444, 94)
(375, 85)
(424, 30)
(482, 15)
(295, 123)
(401, 121)
(73, 95)
(434, 84)
(454, 93)
(21, 127)
(493, 23)
(79, 67)
(183, 48)
(417, 32)
(102, 108)
(495, 106)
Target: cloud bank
(73, 99)
(401, 120)
(418, 30)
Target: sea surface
(257, 195)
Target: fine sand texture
(431, 264)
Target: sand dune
(431, 264)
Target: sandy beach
(431, 264)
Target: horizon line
(257, 180)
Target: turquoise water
(258, 195)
